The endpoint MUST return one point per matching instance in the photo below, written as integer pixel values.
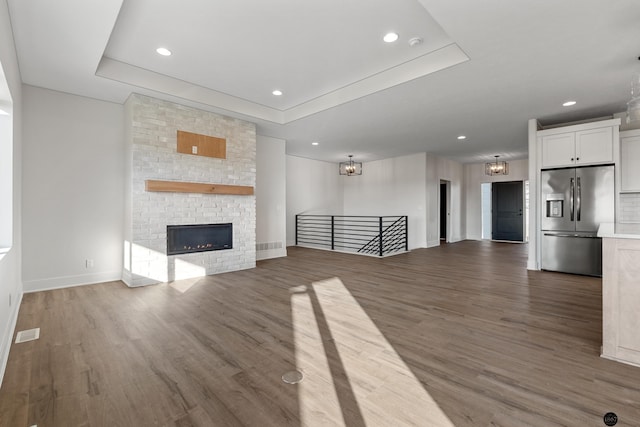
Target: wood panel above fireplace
(197, 187)
(201, 145)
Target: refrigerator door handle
(571, 197)
(578, 203)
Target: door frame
(448, 210)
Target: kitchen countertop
(619, 230)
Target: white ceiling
(484, 69)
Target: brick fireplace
(151, 127)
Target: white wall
(313, 187)
(10, 262)
(73, 189)
(474, 176)
(432, 191)
(534, 172)
(393, 186)
(6, 167)
(271, 198)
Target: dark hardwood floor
(459, 335)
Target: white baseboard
(615, 359)
(271, 253)
(532, 265)
(7, 337)
(70, 281)
(433, 243)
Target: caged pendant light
(633, 106)
(350, 167)
(496, 168)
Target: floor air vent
(28, 335)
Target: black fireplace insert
(184, 239)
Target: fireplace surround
(151, 135)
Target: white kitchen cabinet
(577, 145)
(594, 146)
(630, 161)
(621, 298)
(558, 150)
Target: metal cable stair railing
(370, 235)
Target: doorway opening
(444, 214)
(505, 211)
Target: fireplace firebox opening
(184, 239)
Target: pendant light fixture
(633, 106)
(350, 167)
(496, 168)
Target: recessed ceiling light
(462, 137)
(569, 103)
(315, 143)
(277, 92)
(163, 51)
(390, 37)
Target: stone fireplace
(151, 137)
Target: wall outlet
(194, 149)
(89, 263)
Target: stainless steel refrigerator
(574, 203)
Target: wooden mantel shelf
(197, 187)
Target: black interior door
(507, 215)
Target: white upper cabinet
(594, 146)
(630, 161)
(558, 150)
(588, 144)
